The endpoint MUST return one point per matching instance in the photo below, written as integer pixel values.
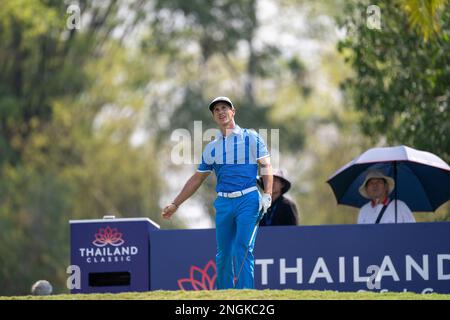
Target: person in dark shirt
(283, 211)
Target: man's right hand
(168, 211)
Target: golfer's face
(376, 188)
(223, 113)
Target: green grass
(241, 295)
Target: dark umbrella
(422, 179)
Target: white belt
(236, 194)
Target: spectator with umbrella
(420, 179)
(380, 208)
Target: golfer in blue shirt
(234, 156)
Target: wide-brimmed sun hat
(376, 174)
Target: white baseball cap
(220, 99)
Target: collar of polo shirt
(236, 130)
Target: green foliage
(33, 228)
(401, 82)
(424, 15)
(217, 26)
(25, 40)
(63, 156)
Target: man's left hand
(266, 202)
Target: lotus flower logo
(106, 236)
(200, 279)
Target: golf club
(260, 216)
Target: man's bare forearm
(266, 173)
(268, 181)
(190, 187)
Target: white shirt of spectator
(368, 214)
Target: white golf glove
(266, 201)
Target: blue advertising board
(113, 254)
(386, 257)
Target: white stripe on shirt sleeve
(267, 155)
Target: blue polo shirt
(234, 159)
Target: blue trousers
(235, 222)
